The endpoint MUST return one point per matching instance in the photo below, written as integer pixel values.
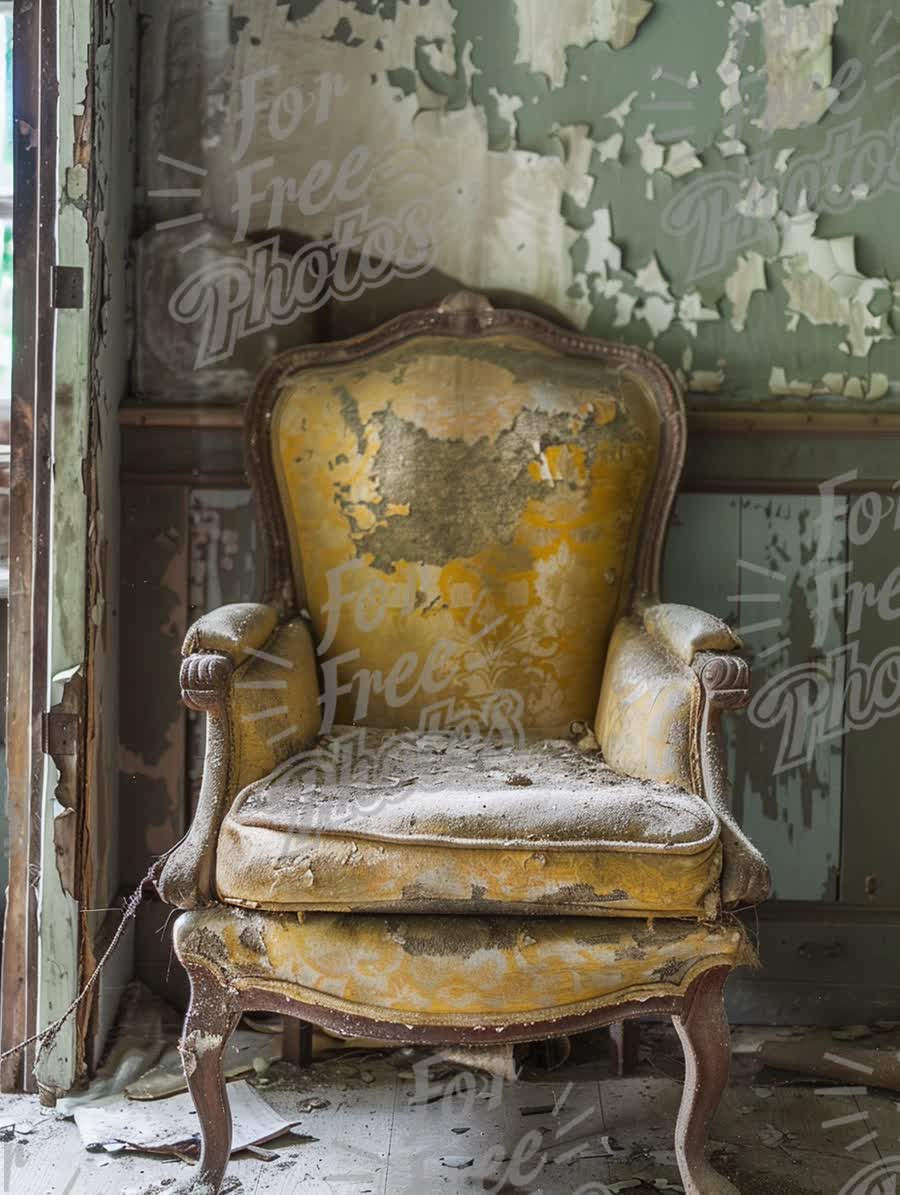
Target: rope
(49, 1035)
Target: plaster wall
(712, 181)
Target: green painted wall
(525, 134)
(675, 42)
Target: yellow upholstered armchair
(464, 779)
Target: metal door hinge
(59, 733)
(67, 286)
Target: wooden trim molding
(836, 424)
(35, 87)
(196, 479)
(217, 418)
(771, 485)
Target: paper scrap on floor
(171, 1125)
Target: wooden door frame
(35, 89)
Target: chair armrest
(659, 718)
(262, 706)
(725, 685)
(644, 712)
(233, 630)
(686, 631)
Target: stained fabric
(380, 820)
(462, 517)
(457, 970)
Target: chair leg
(297, 1041)
(624, 1047)
(706, 1040)
(210, 1021)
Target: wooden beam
(34, 153)
(809, 423)
(739, 423)
(221, 418)
(768, 485)
(194, 480)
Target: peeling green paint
(597, 79)
(298, 9)
(464, 71)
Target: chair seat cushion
(456, 971)
(411, 822)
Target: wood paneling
(792, 812)
(753, 562)
(821, 965)
(700, 566)
(226, 561)
(154, 619)
(225, 566)
(787, 460)
(184, 551)
(871, 820)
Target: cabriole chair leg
(210, 1021)
(706, 1040)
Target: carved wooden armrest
(204, 680)
(261, 707)
(725, 685)
(186, 880)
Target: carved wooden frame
(698, 1016)
(187, 879)
(465, 315)
(725, 686)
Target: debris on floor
(773, 1138)
(170, 1126)
(143, 1060)
(841, 1061)
(360, 1127)
(171, 1186)
(852, 1033)
(634, 1184)
(247, 1051)
(146, 1026)
(493, 1060)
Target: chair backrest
(464, 501)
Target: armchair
(398, 836)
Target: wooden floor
(574, 1130)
